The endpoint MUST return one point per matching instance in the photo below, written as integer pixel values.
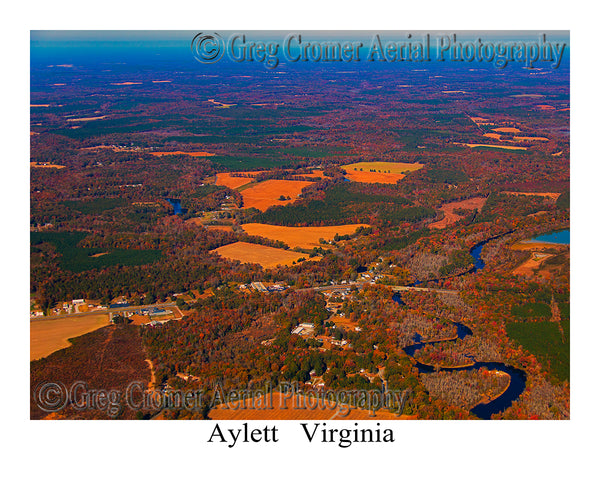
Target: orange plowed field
(266, 194)
(267, 257)
(506, 130)
(227, 180)
(191, 154)
(304, 237)
(384, 172)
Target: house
(259, 286)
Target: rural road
(395, 288)
(106, 310)
(326, 288)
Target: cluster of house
(261, 287)
(304, 329)
(78, 305)
(308, 329)
(154, 313)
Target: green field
(78, 259)
(346, 203)
(95, 206)
(531, 310)
(544, 340)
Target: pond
(562, 237)
(176, 204)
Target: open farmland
(48, 336)
(530, 139)
(294, 407)
(191, 154)
(267, 194)
(552, 195)
(303, 237)
(506, 130)
(485, 145)
(222, 228)
(379, 172)
(267, 257)
(227, 180)
(450, 217)
(45, 165)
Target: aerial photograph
(306, 226)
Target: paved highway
(106, 310)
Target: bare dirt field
(227, 180)
(527, 267)
(304, 237)
(506, 130)
(505, 147)
(267, 257)
(266, 194)
(48, 336)
(297, 409)
(315, 173)
(450, 217)
(530, 139)
(495, 136)
(379, 172)
(539, 254)
(85, 119)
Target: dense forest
(107, 171)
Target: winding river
(482, 410)
(517, 377)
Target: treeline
(345, 203)
(77, 259)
